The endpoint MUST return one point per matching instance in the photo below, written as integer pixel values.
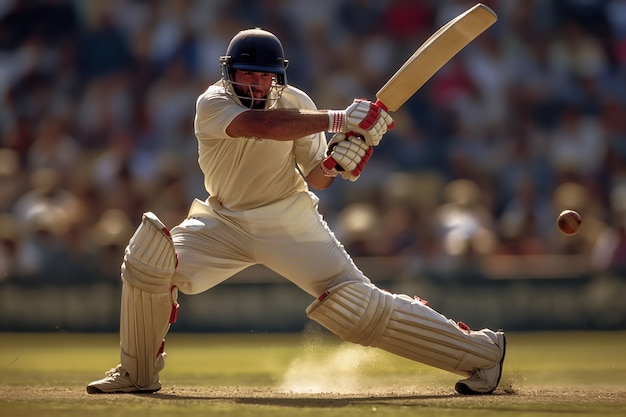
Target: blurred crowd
(96, 126)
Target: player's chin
(258, 101)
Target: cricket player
(261, 145)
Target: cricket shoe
(117, 380)
(484, 381)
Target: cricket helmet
(255, 50)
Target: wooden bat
(433, 54)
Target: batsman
(262, 145)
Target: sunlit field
(312, 373)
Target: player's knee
(357, 312)
(150, 258)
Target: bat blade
(433, 54)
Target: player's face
(255, 85)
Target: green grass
(546, 374)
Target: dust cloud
(324, 367)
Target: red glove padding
(368, 119)
(347, 156)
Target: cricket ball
(569, 222)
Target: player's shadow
(338, 401)
(335, 400)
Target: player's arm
(319, 178)
(281, 124)
(362, 116)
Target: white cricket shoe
(484, 381)
(117, 380)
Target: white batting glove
(363, 117)
(347, 156)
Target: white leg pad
(361, 313)
(148, 304)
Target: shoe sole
(463, 389)
(96, 390)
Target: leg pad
(149, 302)
(361, 313)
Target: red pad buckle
(464, 327)
(323, 296)
(174, 313)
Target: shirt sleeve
(215, 110)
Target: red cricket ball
(569, 222)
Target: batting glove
(347, 156)
(363, 117)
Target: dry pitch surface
(580, 374)
(229, 400)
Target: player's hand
(347, 156)
(363, 117)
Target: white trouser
(289, 237)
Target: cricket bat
(433, 54)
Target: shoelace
(115, 371)
(476, 375)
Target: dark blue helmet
(255, 50)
